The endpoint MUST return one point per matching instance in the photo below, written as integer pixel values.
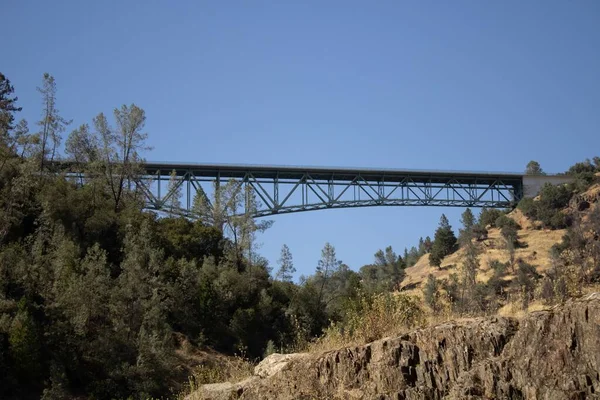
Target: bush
(431, 293)
(528, 207)
(480, 233)
(489, 216)
(548, 209)
(372, 317)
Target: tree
(7, 106)
(427, 244)
(231, 211)
(534, 168)
(431, 293)
(120, 149)
(52, 124)
(326, 267)
(286, 265)
(174, 194)
(468, 221)
(82, 145)
(390, 267)
(444, 242)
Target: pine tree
(390, 269)
(444, 242)
(52, 124)
(174, 194)
(7, 106)
(327, 266)
(427, 244)
(286, 265)
(431, 293)
(468, 221)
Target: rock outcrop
(552, 354)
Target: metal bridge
(288, 189)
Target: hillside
(536, 244)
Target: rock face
(547, 355)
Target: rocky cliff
(552, 354)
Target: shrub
(480, 233)
(489, 216)
(504, 221)
(527, 206)
(548, 209)
(431, 293)
(372, 317)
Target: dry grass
(373, 317)
(535, 250)
(216, 369)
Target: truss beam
(285, 190)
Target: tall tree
(174, 193)
(444, 242)
(231, 211)
(327, 266)
(468, 221)
(534, 168)
(82, 145)
(52, 124)
(286, 265)
(120, 149)
(7, 106)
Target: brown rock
(548, 355)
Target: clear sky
(461, 85)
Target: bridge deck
(326, 173)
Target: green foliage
(525, 282)
(548, 209)
(431, 293)
(508, 229)
(286, 265)
(583, 174)
(385, 274)
(468, 221)
(372, 317)
(496, 284)
(7, 106)
(93, 290)
(489, 216)
(528, 206)
(534, 168)
(444, 242)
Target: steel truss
(283, 190)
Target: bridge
(289, 189)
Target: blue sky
(462, 85)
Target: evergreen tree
(328, 265)
(52, 124)
(431, 293)
(286, 265)
(7, 106)
(174, 194)
(427, 244)
(444, 242)
(468, 221)
(390, 271)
